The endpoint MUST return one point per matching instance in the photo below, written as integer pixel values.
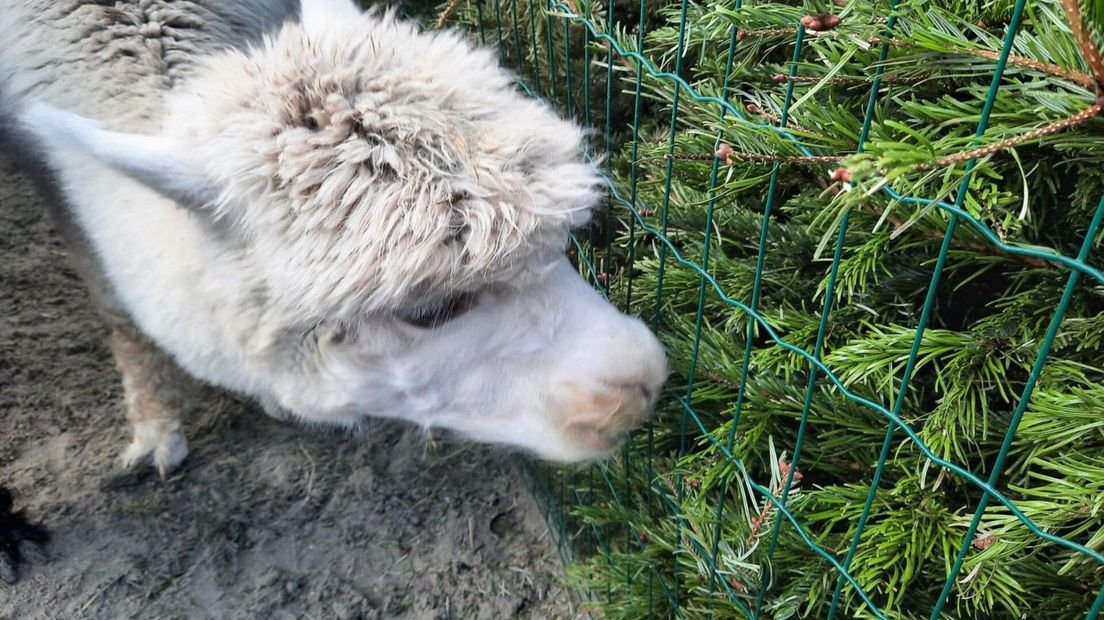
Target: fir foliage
(678, 523)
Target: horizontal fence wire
(548, 76)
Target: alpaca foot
(160, 439)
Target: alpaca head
(396, 201)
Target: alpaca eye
(436, 315)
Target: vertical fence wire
(1097, 606)
(634, 180)
(607, 131)
(537, 81)
(550, 48)
(518, 56)
(498, 29)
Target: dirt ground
(263, 519)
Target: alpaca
(328, 211)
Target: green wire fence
(589, 61)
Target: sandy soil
(264, 519)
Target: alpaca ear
(153, 161)
(319, 15)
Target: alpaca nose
(601, 418)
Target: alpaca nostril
(640, 389)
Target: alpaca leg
(153, 385)
(151, 380)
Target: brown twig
(768, 506)
(888, 78)
(1070, 121)
(773, 118)
(730, 157)
(1079, 77)
(765, 32)
(445, 14)
(1088, 49)
(719, 378)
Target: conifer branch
(1066, 123)
(730, 156)
(782, 78)
(938, 235)
(1079, 77)
(719, 378)
(766, 32)
(1072, 75)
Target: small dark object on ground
(20, 540)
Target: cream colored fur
(270, 195)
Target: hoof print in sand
(20, 540)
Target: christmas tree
(908, 193)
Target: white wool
(267, 199)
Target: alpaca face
(392, 215)
(544, 364)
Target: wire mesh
(588, 60)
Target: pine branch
(777, 120)
(1060, 125)
(730, 157)
(938, 235)
(1078, 77)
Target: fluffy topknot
(369, 167)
